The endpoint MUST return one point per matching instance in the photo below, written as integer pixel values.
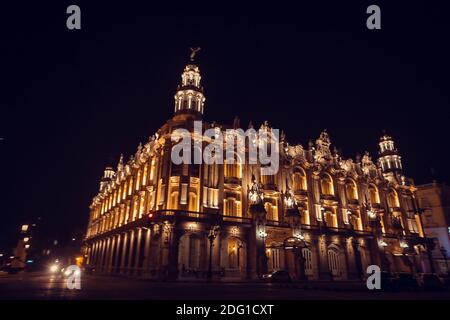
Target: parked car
(406, 281)
(278, 276)
(10, 269)
(430, 282)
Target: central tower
(189, 97)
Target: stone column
(100, 256)
(357, 258)
(96, 254)
(124, 253)
(147, 248)
(350, 257)
(130, 252)
(92, 256)
(106, 255)
(137, 251)
(111, 254)
(324, 269)
(251, 254)
(156, 254)
(116, 258)
(174, 240)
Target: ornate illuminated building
(320, 217)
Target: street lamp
(211, 237)
(263, 234)
(444, 254)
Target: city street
(44, 286)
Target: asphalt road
(42, 286)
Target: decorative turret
(389, 158)
(108, 175)
(189, 97)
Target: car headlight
(54, 268)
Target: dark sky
(72, 101)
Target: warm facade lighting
(159, 219)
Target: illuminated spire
(108, 175)
(189, 97)
(390, 160)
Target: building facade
(320, 217)
(434, 200)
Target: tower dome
(389, 157)
(189, 97)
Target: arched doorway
(233, 258)
(191, 249)
(298, 258)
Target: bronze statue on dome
(194, 51)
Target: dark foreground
(42, 286)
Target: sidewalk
(352, 285)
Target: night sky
(72, 101)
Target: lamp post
(444, 254)
(211, 237)
(258, 232)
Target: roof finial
(194, 51)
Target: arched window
(330, 218)
(193, 202)
(114, 198)
(272, 210)
(152, 170)
(119, 194)
(211, 175)
(174, 186)
(373, 194)
(130, 186)
(173, 201)
(141, 205)
(232, 170)
(122, 216)
(234, 250)
(350, 190)
(267, 179)
(127, 213)
(334, 262)
(144, 175)
(393, 199)
(229, 205)
(299, 180)
(326, 185)
(138, 180)
(124, 193)
(135, 207)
